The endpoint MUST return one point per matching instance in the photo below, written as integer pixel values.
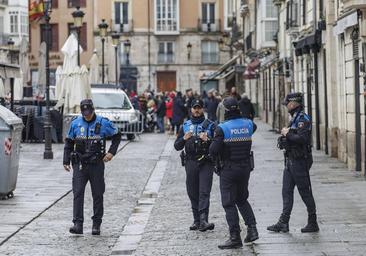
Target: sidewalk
(339, 194)
(44, 187)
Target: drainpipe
(326, 148)
(149, 43)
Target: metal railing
(209, 25)
(123, 28)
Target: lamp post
(189, 50)
(127, 45)
(103, 26)
(229, 39)
(48, 154)
(78, 16)
(115, 41)
(11, 52)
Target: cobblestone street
(36, 221)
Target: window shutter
(54, 33)
(212, 13)
(82, 3)
(204, 13)
(125, 13)
(117, 11)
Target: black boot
(204, 224)
(280, 226)
(312, 225)
(233, 242)
(252, 234)
(76, 229)
(194, 226)
(96, 229)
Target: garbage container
(11, 128)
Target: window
(269, 20)
(229, 13)
(83, 34)
(54, 47)
(14, 23)
(75, 3)
(166, 53)
(292, 14)
(270, 28)
(208, 13)
(210, 52)
(24, 23)
(121, 12)
(166, 16)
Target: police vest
(237, 139)
(90, 137)
(195, 146)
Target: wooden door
(167, 81)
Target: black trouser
(234, 181)
(199, 183)
(296, 173)
(95, 174)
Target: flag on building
(36, 9)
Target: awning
(223, 68)
(9, 71)
(226, 74)
(345, 22)
(250, 72)
(310, 42)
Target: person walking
(84, 154)
(232, 145)
(160, 113)
(179, 112)
(296, 141)
(246, 107)
(211, 104)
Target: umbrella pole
(116, 63)
(103, 60)
(12, 94)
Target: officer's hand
(203, 136)
(108, 157)
(284, 131)
(67, 167)
(187, 136)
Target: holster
(75, 161)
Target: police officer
(195, 137)
(296, 140)
(232, 142)
(85, 147)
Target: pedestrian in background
(85, 150)
(188, 101)
(246, 107)
(232, 146)
(211, 104)
(296, 141)
(169, 111)
(195, 138)
(234, 93)
(179, 112)
(160, 113)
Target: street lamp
(103, 26)
(115, 41)
(189, 50)
(48, 154)
(11, 51)
(127, 45)
(78, 16)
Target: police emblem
(301, 124)
(82, 130)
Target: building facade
(319, 49)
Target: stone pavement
(339, 194)
(48, 186)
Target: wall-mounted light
(189, 50)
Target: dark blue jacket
(179, 111)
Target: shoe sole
(75, 233)
(279, 231)
(312, 231)
(252, 240)
(231, 247)
(96, 233)
(212, 227)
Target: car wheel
(130, 136)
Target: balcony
(123, 28)
(3, 3)
(209, 25)
(354, 4)
(4, 39)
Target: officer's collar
(197, 120)
(232, 115)
(92, 120)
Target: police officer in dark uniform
(195, 137)
(232, 143)
(85, 150)
(296, 141)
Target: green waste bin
(11, 128)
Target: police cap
(295, 97)
(86, 107)
(231, 104)
(197, 103)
